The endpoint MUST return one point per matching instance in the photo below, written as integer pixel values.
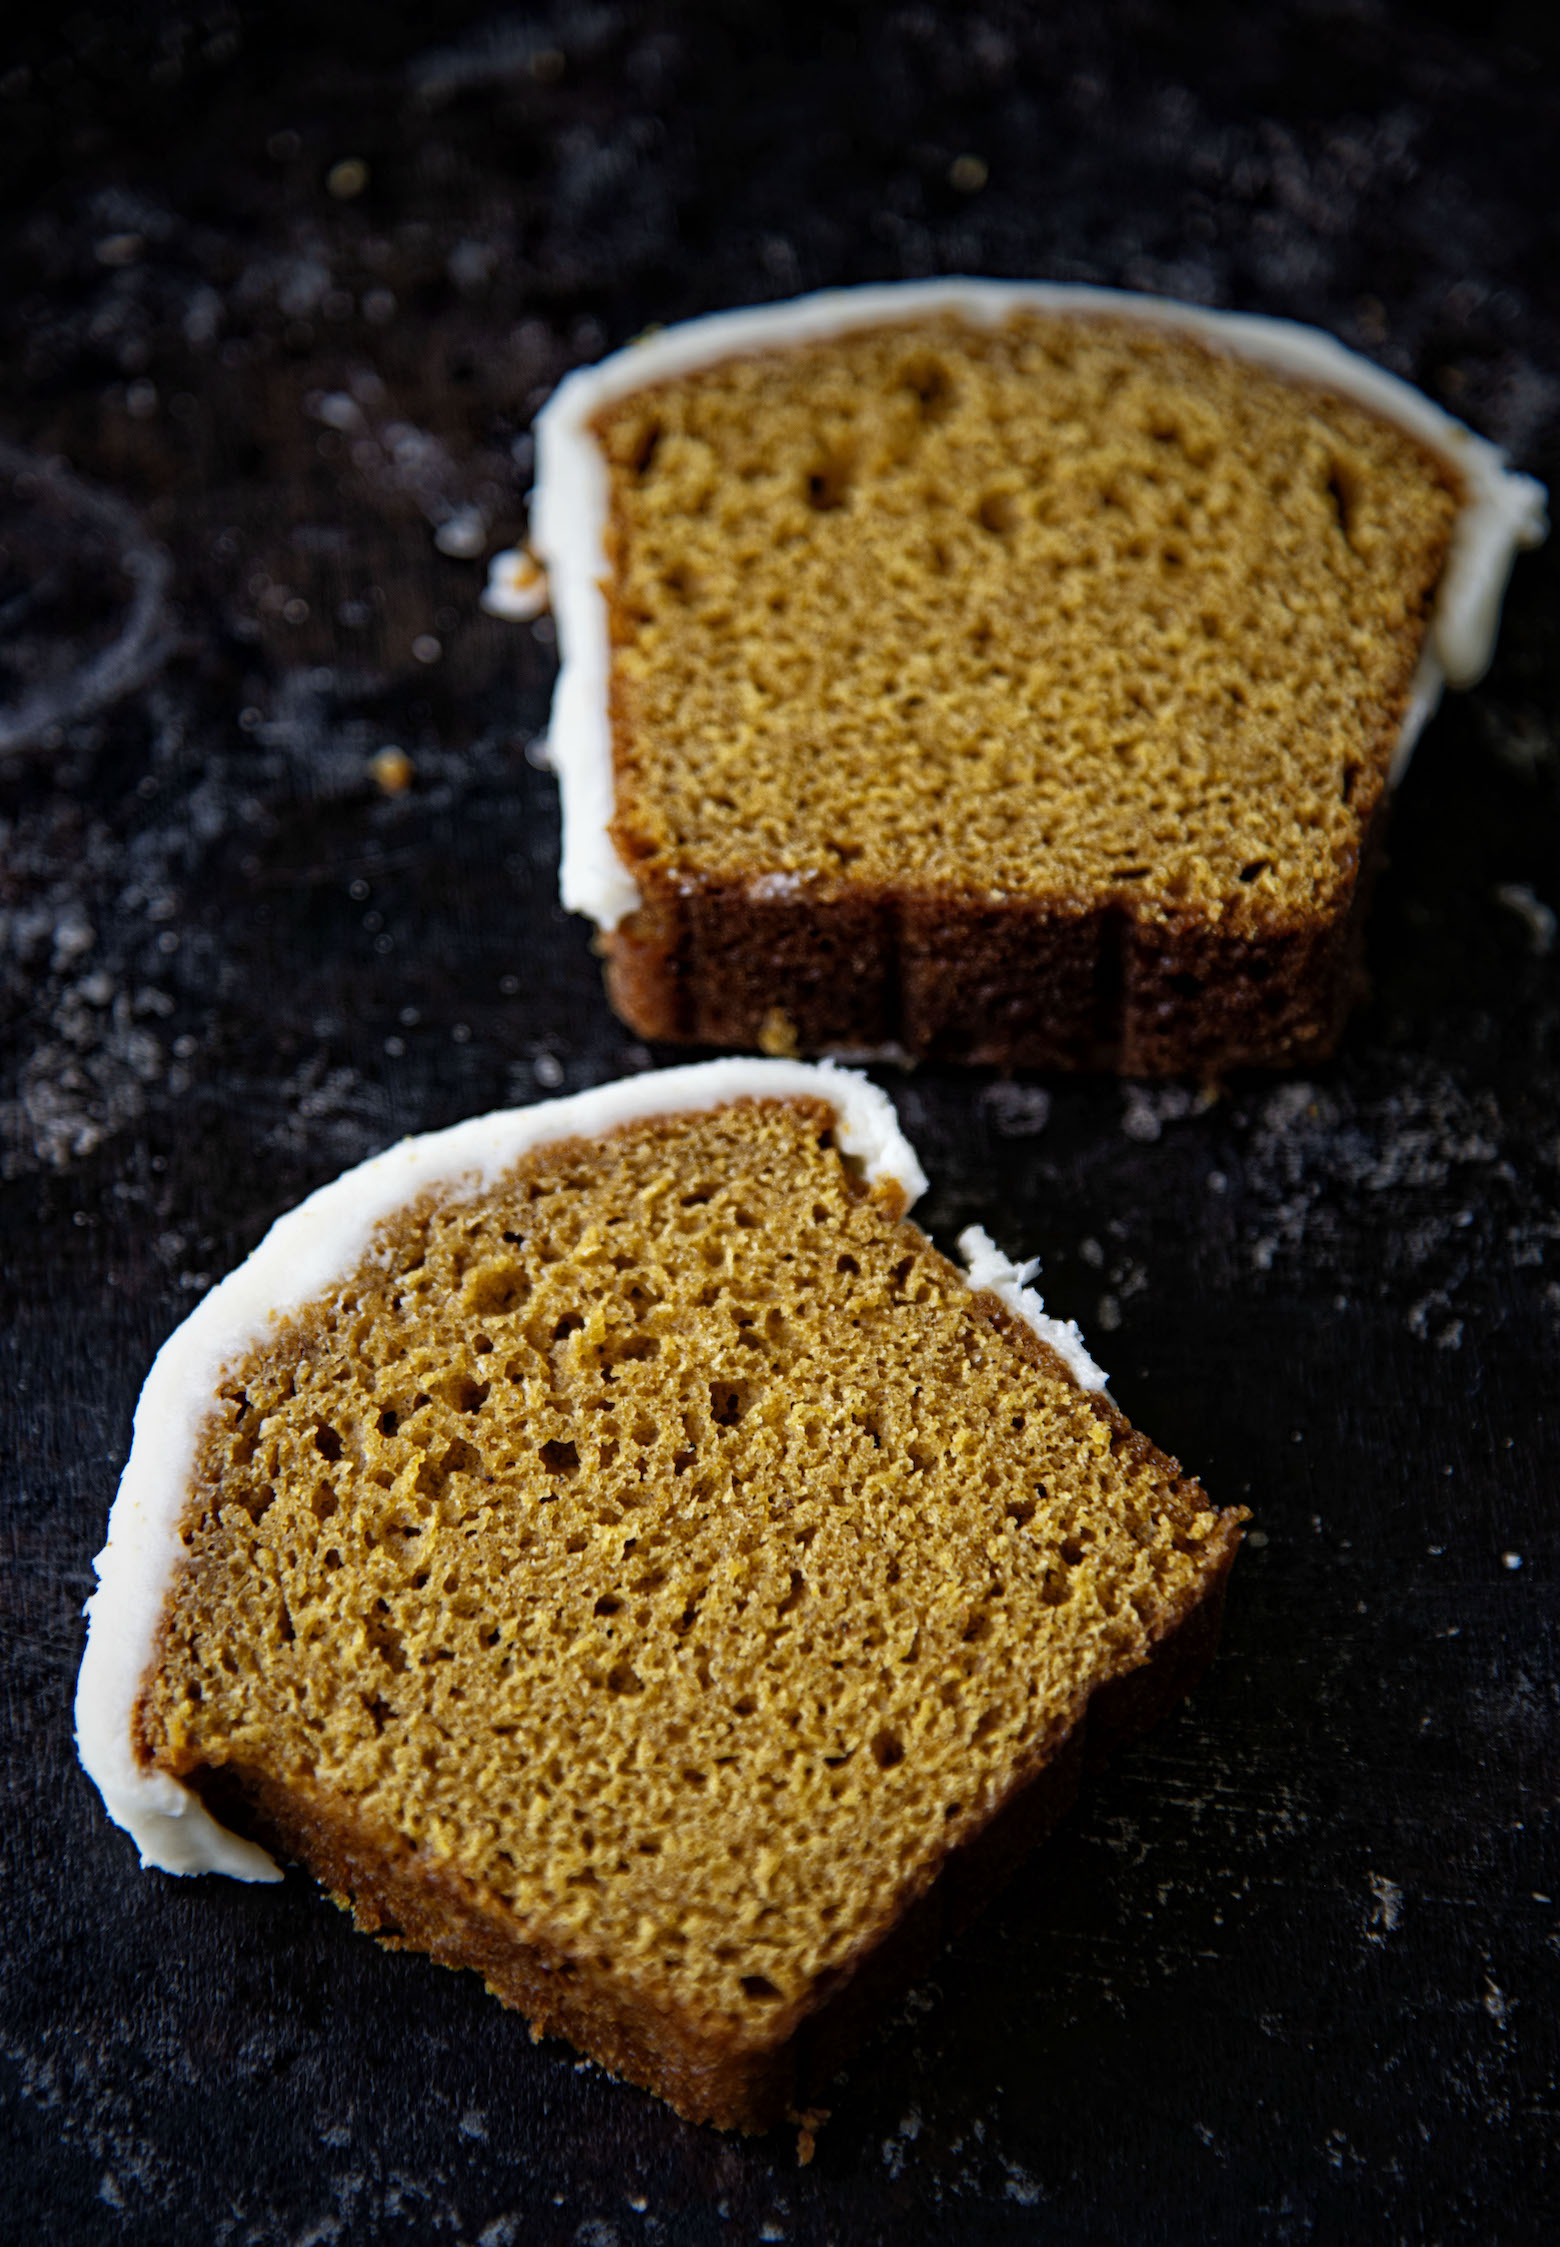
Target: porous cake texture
(658, 1580)
(1019, 691)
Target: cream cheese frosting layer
(313, 1249)
(1503, 511)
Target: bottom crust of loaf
(1008, 983)
(396, 1893)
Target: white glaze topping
(996, 1274)
(516, 587)
(1503, 511)
(304, 1255)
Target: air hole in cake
(998, 513)
(256, 1501)
(887, 1750)
(637, 1351)
(324, 1501)
(327, 1443)
(570, 1323)
(1343, 491)
(384, 1638)
(1021, 1512)
(828, 484)
(682, 582)
(1258, 866)
(559, 1457)
(389, 1421)
(932, 387)
(1351, 774)
(642, 458)
(461, 1458)
(759, 1987)
(728, 1402)
(463, 1394)
(494, 1289)
(797, 1593)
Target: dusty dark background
(1291, 1973)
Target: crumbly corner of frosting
(995, 1274)
(1504, 511)
(516, 586)
(306, 1252)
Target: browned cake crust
(1024, 984)
(1160, 614)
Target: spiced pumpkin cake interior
(639, 1579)
(1023, 693)
(1060, 607)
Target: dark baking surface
(1291, 1971)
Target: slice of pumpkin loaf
(613, 1549)
(1002, 673)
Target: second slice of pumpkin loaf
(658, 1579)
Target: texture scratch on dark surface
(280, 291)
